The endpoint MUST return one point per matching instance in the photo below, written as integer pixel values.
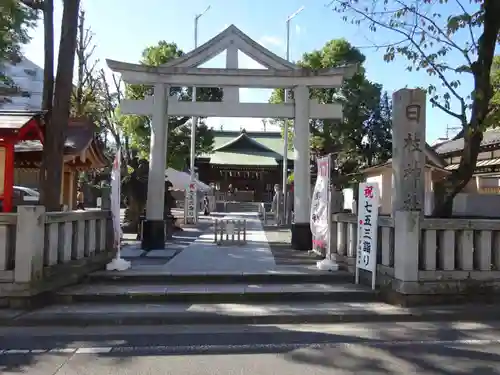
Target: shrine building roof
(491, 138)
(247, 148)
(432, 160)
(80, 139)
(16, 119)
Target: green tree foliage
(494, 115)
(450, 40)
(16, 20)
(363, 137)
(139, 127)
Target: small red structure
(15, 126)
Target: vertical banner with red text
(320, 206)
(366, 253)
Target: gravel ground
(279, 240)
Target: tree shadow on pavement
(430, 348)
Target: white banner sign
(118, 263)
(320, 204)
(368, 204)
(115, 198)
(191, 200)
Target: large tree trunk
(133, 213)
(446, 190)
(55, 131)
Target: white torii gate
(184, 72)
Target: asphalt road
(423, 348)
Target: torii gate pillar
(153, 235)
(301, 229)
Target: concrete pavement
(424, 348)
(205, 256)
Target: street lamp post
(285, 135)
(194, 122)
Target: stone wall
(454, 258)
(43, 251)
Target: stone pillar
(337, 200)
(154, 227)
(408, 164)
(105, 198)
(408, 145)
(30, 231)
(278, 205)
(231, 94)
(301, 230)
(289, 207)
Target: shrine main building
(249, 161)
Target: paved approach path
(131, 248)
(204, 256)
(405, 348)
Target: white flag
(319, 219)
(118, 263)
(115, 198)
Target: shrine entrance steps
(210, 284)
(281, 297)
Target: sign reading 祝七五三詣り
(366, 252)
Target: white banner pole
(118, 263)
(327, 263)
(329, 209)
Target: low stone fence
(230, 231)
(42, 251)
(448, 256)
(459, 254)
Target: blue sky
(122, 31)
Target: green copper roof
(230, 158)
(247, 148)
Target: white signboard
(366, 254)
(320, 206)
(190, 206)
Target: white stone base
(118, 264)
(327, 265)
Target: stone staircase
(217, 289)
(237, 206)
(288, 295)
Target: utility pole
(194, 124)
(451, 128)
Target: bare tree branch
(469, 25)
(118, 85)
(110, 103)
(410, 39)
(447, 111)
(447, 40)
